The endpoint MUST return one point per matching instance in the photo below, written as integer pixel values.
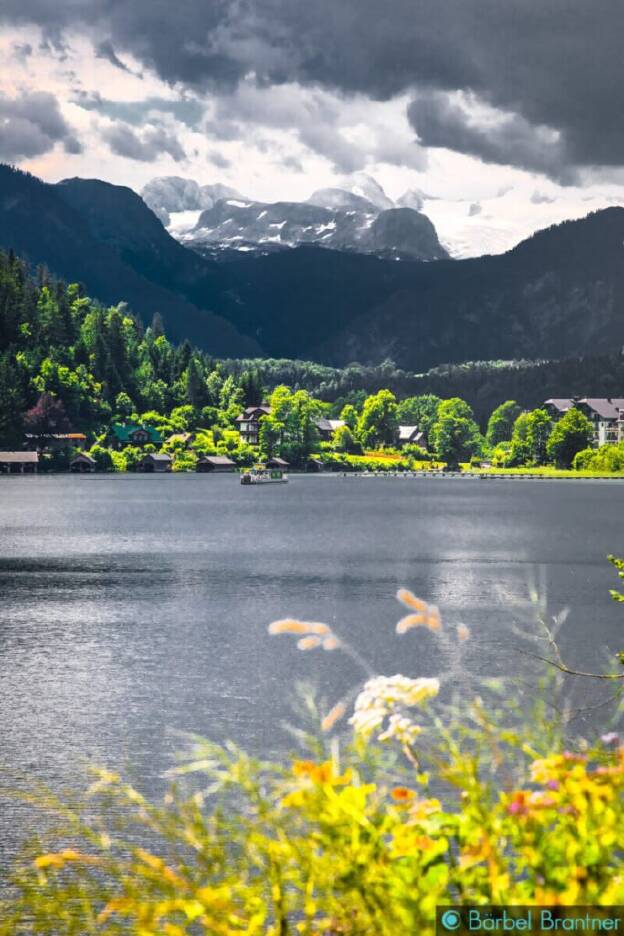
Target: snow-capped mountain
(213, 218)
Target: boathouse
(19, 462)
(217, 463)
(82, 464)
(280, 463)
(153, 462)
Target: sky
(501, 116)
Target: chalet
(558, 406)
(411, 435)
(249, 423)
(82, 464)
(19, 462)
(604, 416)
(315, 465)
(327, 427)
(153, 462)
(280, 463)
(216, 463)
(121, 434)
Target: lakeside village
(286, 432)
(84, 388)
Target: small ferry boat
(260, 474)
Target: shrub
(185, 461)
(584, 460)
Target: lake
(134, 606)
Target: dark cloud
(553, 65)
(105, 50)
(147, 147)
(31, 125)
(219, 160)
(510, 139)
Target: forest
(68, 364)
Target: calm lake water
(133, 606)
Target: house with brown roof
(19, 462)
(155, 462)
(216, 463)
(82, 464)
(327, 427)
(604, 416)
(54, 441)
(249, 423)
(557, 406)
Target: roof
(560, 403)
(19, 457)
(123, 431)
(278, 462)
(603, 407)
(329, 425)
(410, 433)
(157, 456)
(181, 437)
(251, 411)
(618, 402)
(78, 436)
(217, 460)
(82, 456)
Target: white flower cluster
(385, 697)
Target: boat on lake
(260, 474)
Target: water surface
(131, 606)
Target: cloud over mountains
(548, 76)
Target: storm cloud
(147, 147)
(553, 71)
(31, 124)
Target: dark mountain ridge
(560, 293)
(104, 237)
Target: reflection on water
(131, 606)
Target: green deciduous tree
(421, 411)
(571, 434)
(379, 423)
(530, 437)
(455, 435)
(501, 422)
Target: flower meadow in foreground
(411, 806)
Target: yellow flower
(434, 621)
(409, 621)
(289, 626)
(308, 643)
(409, 599)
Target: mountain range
(213, 218)
(559, 293)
